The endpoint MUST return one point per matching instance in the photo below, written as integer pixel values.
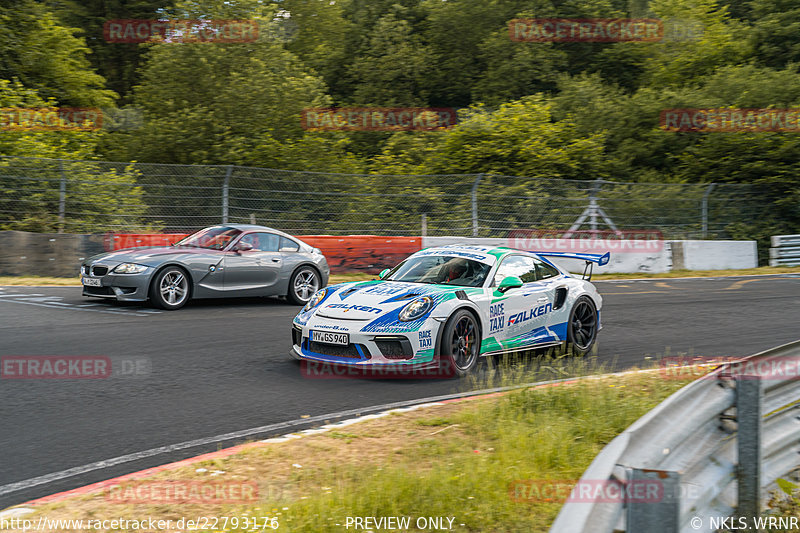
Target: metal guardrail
(785, 250)
(718, 445)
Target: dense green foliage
(562, 110)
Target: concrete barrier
(634, 256)
(45, 254)
(714, 255)
(639, 256)
(59, 255)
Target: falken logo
(353, 307)
(532, 313)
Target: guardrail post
(749, 398)
(704, 209)
(62, 196)
(653, 501)
(226, 184)
(475, 205)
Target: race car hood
(367, 301)
(150, 255)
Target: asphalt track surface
(216, 367)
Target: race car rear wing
(590, 259)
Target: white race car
(444, 307)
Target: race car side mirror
(509, 282)
(242, 247)
(383, 273)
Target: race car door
(252, 272)
(526, 310)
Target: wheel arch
(286, 290)
(298, 267)
(576, 291)
(437, 349)
(160, 268)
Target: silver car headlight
(129, 268)
(415, 309)
(315, 300)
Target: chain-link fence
(49, 195)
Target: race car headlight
(416, 309)
(315, 300)
(129, 268)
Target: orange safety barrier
(359, 253)
(345, 253)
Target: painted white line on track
(375, 411)
(245, 433)
(119, 312)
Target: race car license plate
(91, 282)
(328, 337)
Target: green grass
(37, 281)
(455, 460)
(465, 472)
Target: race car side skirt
(521, 348)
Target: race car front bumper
(364, 349)
(121, 287)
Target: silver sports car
(216, 262)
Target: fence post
(593, 204)
(748, 440)
(424, 231)
(226, 184)
(475, 205)
(62, 196)
(704, 209)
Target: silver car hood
(150, 255)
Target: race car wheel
(302, 285)
(170, 289)
(460, 344)
(582, 326)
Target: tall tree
(394, 67)
(46, 56)
(118, 63)
(775, 32)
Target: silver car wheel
(174, 287)
(305, 285)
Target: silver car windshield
(216, 238)
(441, 269)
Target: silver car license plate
(328, 337)
(91, 282)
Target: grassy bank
(455, 460)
